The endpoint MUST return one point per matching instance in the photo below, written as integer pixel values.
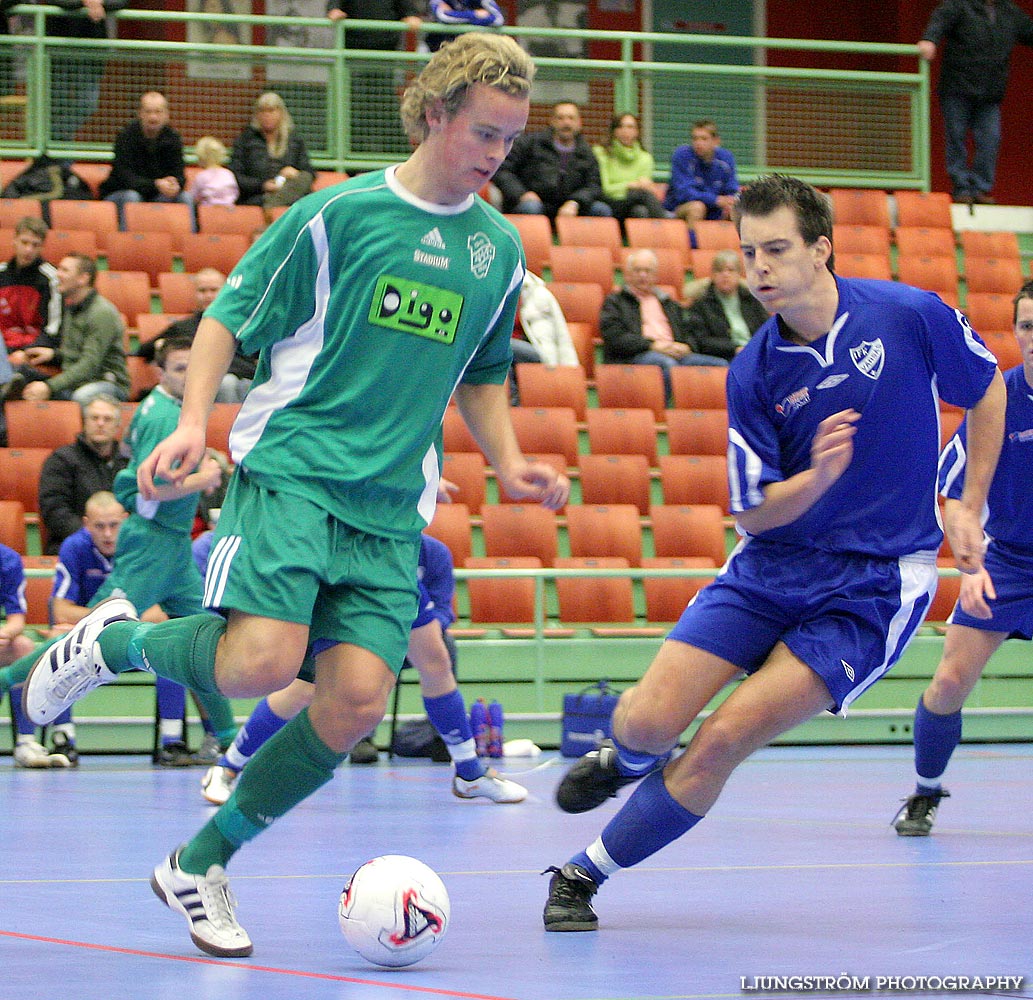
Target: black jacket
(534, 164)
(251, 162)
(242, 365)
(709, 324)
(976, 49)
(376, 10)
(137, 162)
(70, 476)
(620, 325)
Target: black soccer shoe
(592, 780)
(569, 906)
(916, 816)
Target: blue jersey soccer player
(371, 304)
(997, 601)
(430, 652)
(833, 444)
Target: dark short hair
(37, 227)
(86, 264)
(177, 342)
(1025, 292)
(767, 194)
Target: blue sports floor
(796, 871)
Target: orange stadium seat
(622, 432)
(924, 208)
(495, 600)
(218, 250)
(860, 207)
(451, 525)
(553, 385)
(698, 387)
(520, 529)
(860, 239)
(667, 597)
(98, 216)
(42, 424)
(591, 264)
(177, 292)
(128, 291)
(244, 220)
(591, 231)
(693, 479)
(594, 599)
(688, 530)
(169, 217)
(697, 432)
(659, 234)
(615, 479)
(536, 236)
(630, 387)
(148, 252)
(605, 530)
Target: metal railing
(837, 127)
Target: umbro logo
(433, 239)
(847, 669)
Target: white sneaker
(72, 666)
(208, 905)
(29, 753)
(217, 784)
(488, 786)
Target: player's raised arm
(177, 456)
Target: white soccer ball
(394, 910)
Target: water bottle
(479, 725)
(494, 729)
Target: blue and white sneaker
(73, 666)
(208, 905)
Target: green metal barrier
(849, 127)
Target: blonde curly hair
(474, 57)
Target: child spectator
(216, 184)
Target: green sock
(220, 716)
(181, 649)
(287, 769)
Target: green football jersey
(368, 306)
(155, 419)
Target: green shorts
(280, 556)
(154, 565)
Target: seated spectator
(14, 643)
(147, 163)
(543, 324)
(75, 472)
(552, 172)
(703, 182)
(216, 184)
(722, 311)
(236, 382)
(541, 335)
(90, 355)
(643, 326)
(269, 157)
(626, 172)
(30, 303)
(482, 13)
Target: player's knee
(642, 724)
(947, 691)
(718, 745)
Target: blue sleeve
(732, 184)
(754, 456)
(963, 365)
(12, 582)
(679, 187)
(438, 577)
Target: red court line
(297, 973)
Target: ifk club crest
(869, 357)
(482, 253)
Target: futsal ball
(394, 910)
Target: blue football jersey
(80, 570)
(1009, 502)
(892, 352)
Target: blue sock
(260, 726)
(649, 820)
(171, 704)
(447, 714)
(936, 736)
(24, 725)
(64, 719)
(634, 764)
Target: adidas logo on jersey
(433, 239)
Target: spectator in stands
(722, 312)
(374, 101)
(626, 172)
(30, 303)
(237, 380)
(75, 472)
(90, 355)
(643, 325)
(216, 184)
(479, 13)
(541, 335)
(553, 171)
(14, 644)
(269, 157)
(75, 76)
(147, 163)
(978, 36)
(703, 182)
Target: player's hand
(832, 449)
(976, 589)
(173, 460)
(538, 481)
(965, 534)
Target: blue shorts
(1011, 570)
(847, 616)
